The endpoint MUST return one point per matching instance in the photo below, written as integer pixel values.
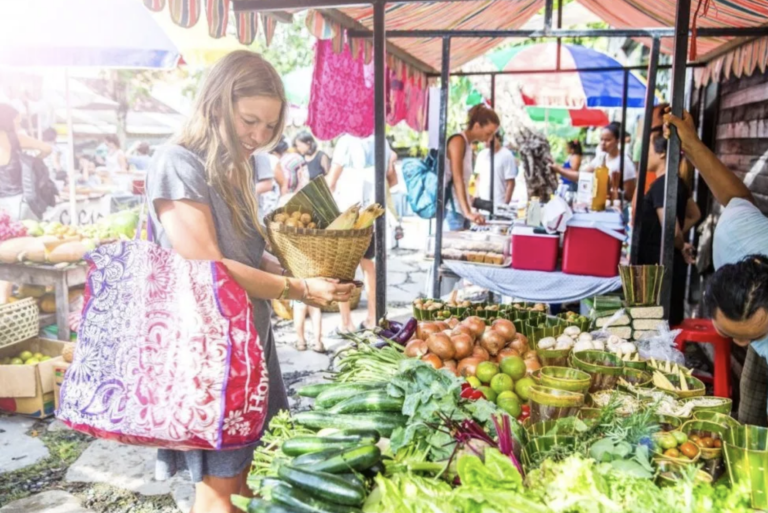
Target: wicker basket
(18, 321)
(282, 309)
(309, 253)
(354, 302)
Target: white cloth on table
(535, 286)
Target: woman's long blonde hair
(241, 74)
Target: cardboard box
(28, 389)
(59, 369)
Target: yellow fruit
(347, 220)
(68, 353)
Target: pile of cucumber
(326, 475)
(352, 406)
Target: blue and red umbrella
(572, 90)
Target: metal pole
(493, 151)
(548, 15)
(379, 48)
(650, 94)
(624, 99)
(443, 129)
(71, 156)
(559, 26)
(556, 71)
(673, 151)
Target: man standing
(505, 172)
(352, 180)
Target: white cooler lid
(527, 231)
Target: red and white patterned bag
(167, 353)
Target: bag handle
(144, 216)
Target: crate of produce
(19, 321)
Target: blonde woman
(203, 206)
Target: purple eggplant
(404, 335)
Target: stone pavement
(130, 469)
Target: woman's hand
(324, 291)
(685, 127)
(476, 218)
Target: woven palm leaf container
(310, 253)
(746, 458)
(354, 302)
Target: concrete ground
(44, 467)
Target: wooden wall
(742, 132)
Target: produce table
(45, 275)
(538, 287)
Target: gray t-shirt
(178, 174)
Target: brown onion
(506, 353)
(476, 324)
(468, 366)
(492, 342)
(481, 354)
(442, 325)
(519, 343)
(425, 328)
(532, 365)
(451, 368)
(530, 355)
(462, 329)
(505, 328)
(453, 322)
(416, 348)
(441, 345)
(463, 345)
(433, 360)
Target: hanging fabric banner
(319, 26)
(247, 27)
(217, 13)
(269, 24)
(185, 13)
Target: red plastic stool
(701, 331)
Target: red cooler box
(533, 251)
(592, 244)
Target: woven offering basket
(310, 253)
(354, 301)
(18, 321)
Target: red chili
(467, 392)
(526, 412)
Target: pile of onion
(460, 346)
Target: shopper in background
(115, 161)
(352, 179)
(505, 172)
(610, 154)
(573, 162)
(650, 226)
(55, 161)
(482, 123)
(318, 163)
(139, 156)
(737, 294)
(12, 143)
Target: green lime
(522, 388)
(32, 361)
(26, 355)
(39, 356)
(507, 395)
(514, 367)
(511, 406)
(474, 382)
(488, 393)
(45, 358)
(502, 383)
(486, 371)
(680, 437)
(17, 361)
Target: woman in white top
(610, 152)
(482, 123)
(116, 162)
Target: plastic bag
(661, 345)
(556, 215)
(603, 333)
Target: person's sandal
(318, 347)
(301, 346)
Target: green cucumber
(352, 479)
(323, 485)
(338, 393)
(314, 457)
(384, 423)
(308, 444)
(302, 502)
(356, 458)
(376, 400)
(314, 390)
(258, 505)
